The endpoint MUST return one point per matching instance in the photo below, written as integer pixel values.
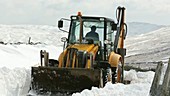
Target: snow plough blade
(52, 79)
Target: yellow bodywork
(89, 48)
(83, 47)
(114, 59)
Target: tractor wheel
(107, 76)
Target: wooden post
(41, 57)
(156, 80)
(46, 58)
(165, 89)
(29, 40)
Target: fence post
(156, 80)
(166, 83)
(29, 40)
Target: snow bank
(140, 86)
(15, 65)
(14, 82)
(25, 55)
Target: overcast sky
(48, 12)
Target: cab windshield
(87, 27)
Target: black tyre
(53, 62)
(107, 76)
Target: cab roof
(93, 17)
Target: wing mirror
(60, 24)
(64, 39)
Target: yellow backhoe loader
(87, 60)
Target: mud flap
(52, 79)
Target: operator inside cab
(93, 34)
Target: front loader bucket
(52, 79)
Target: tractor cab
(103, 35)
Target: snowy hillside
(153, 46)
(16, 60)
(51, 35)
(38, 33)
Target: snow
(38, 33)
(17, 59)
(14, 82)
(25, 55)
(140, 86)
(15, 66)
